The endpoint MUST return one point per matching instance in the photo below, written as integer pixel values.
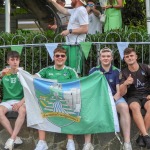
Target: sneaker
(42, 145)
(146, 139)
(127, 146)
(18, 141)
(70, 145)
(140, 141)
(88, 146)
(9, 144)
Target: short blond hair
(105, 49)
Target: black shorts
(139, 99)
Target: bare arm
(117, 95)
(123, 89)
(4, 72)
(124, 85)
(35, 75)
(22, 101)
(95, 11)
(59, 7)
(16, 106)
(83, 29)
(118, 6)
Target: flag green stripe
(96, 111)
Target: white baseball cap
(83, 2)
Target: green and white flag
(80, 106)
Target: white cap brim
(83, 2)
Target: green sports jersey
(12, 88)
(61, 75)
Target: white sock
(70, 140)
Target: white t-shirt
(94, 24)
(79, 16)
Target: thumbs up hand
(129, 80)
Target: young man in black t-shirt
(135, 86)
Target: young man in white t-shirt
(76, 31)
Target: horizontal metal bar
(95, 43)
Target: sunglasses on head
(62, 56)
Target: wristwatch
(70, 31)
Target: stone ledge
(56, 141)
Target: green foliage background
(134, 13)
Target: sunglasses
(62, 56)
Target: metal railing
(35, 56)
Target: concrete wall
(58, 141)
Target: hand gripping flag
(79, 106)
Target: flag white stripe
(113, 105)
(34, 118)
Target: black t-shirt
(141, 84)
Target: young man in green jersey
(13, 99)
(61, 73)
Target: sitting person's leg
(146, 138)
(147, 115)
(42, 135)
(88, 145)
(138, 118)
(143, 139)
(123, 110)
(70, 143)
(4, 108)
(3, 119)
(19, 121)
(42, 145)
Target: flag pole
(7, 16)
(148, 15)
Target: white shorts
(9, 104)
